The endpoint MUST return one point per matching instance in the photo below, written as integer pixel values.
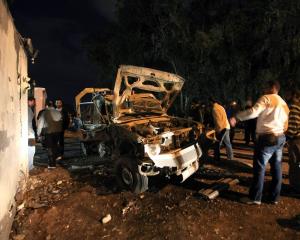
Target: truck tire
(128, 176)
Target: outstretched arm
(253, 112)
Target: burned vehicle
(131, 127)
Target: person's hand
(232, 121)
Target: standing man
(293, 135)
(50, 121)
(250, 126)
(31, 132)
(272, 121)
(194, 111)
(65, 122)
(222, 129)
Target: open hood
(144, 91)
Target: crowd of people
(52, 121)
(269, 124)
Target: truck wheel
(128, 176)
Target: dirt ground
(60, 204)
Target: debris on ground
(128, 206)
(63, 205)
(214, 191)
(106, 219)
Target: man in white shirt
(272, 121)
(66, 121)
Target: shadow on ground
(293, 223)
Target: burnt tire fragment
(128, 176)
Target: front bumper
(185, 161)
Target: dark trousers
(61, 143)
(250, 127)
(249, 135)
(262, 155)
(294, 164)
(52, 145)
(223, 138)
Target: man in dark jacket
(65, 123)
(50, 121)
(194, 111)
(250, 126)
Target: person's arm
(254, 112)
(41, 123)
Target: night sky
(57, 29)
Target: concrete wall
(13, 117)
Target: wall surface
(13, 117)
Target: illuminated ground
(60, 205)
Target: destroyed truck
(130, 127)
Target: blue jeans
(224, 138)
(262, 155)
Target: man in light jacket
(222, 129)
(272, 121)
(50, 121)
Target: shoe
(58, 158)
(249, 201)
(274, 202)
(51, 167)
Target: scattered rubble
(19, 237)
(131, 205)
(21, 206)
(219, 186)
(106, 219)
(61, 205)
(59, 182)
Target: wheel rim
(127, 176)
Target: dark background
(57, 29)
(224, 48)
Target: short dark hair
(212, 99)
(272, 83)
(49, 103)
(31, 99)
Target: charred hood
(140, 90)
